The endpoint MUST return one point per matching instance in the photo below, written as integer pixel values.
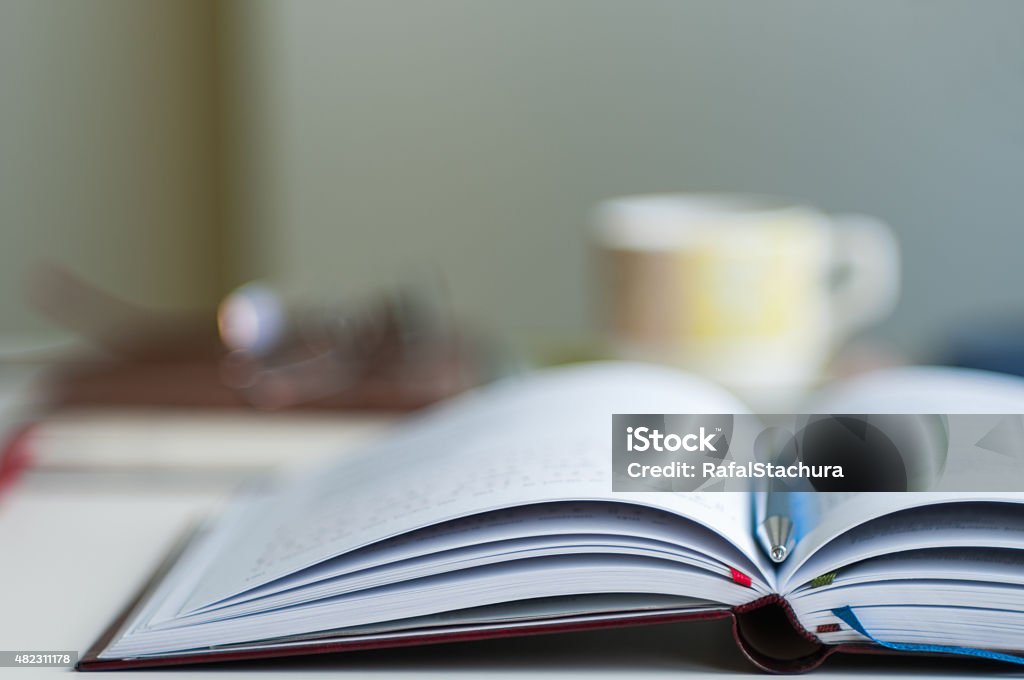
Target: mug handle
(866, 263)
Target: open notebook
(493, 515)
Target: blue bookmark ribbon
(846, 615)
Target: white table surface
(71, 556)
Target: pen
(777, 530)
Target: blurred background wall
(170, 150)
(109, 150)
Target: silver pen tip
(778, 553)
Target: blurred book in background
(178, 393)
(111, 440)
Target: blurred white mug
(753, 292)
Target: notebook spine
(771, 637)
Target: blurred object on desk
(117, 448)
(989, 346)
(864, 355)
(404, 338)
(116, 329)
(231, 443)
(754, 292)
(377, 356)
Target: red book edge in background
(14, 456)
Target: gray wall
(477, 134)
(364, 137)
(108, 150)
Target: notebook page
(970, 598)
(923, 389)
(837, 538)
(539, 439)
(563, 524)
(913, 390)
(977, 565)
